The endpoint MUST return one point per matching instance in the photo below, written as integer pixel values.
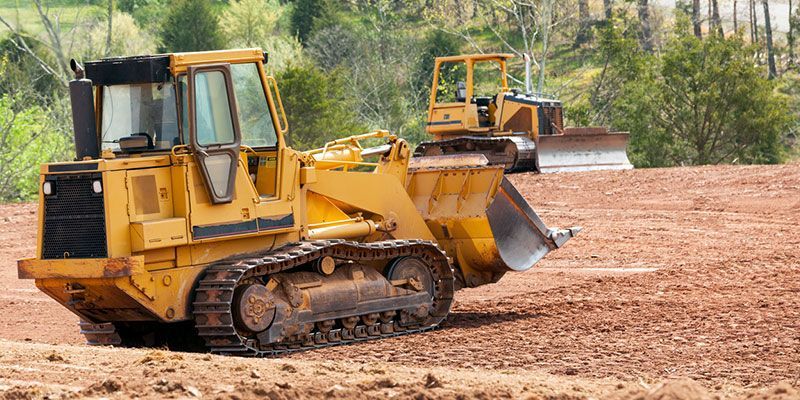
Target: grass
(22, 13)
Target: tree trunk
(735, 18)
(644, 19)
(768, 30)
(608, 6)
(790, 37)
(547, 20)
(754, 21)
(584, 23)
(110, 25)
(715, 19)
(698, 30)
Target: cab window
(146, 109)
(214, 125)
(255, 120)
(451, 87)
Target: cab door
(214, 134)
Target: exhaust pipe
(81, 94)
(528, 83)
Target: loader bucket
(479, 218)
(583, 152)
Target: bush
(28, 139)
(317, 107)
(703, 101)
(191, 25)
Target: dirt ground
(684, 283)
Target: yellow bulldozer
(472, 111)
(186, 220)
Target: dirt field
(684, 283)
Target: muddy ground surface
(684, 283)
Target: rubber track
(214, 295)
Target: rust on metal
(79, 268)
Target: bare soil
(684, 283)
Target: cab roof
(476, 57)
(161, 67)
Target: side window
(451, 87)
(214, 129)
(487, 79)
(213, 111)
(255, 120)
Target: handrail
(285, 122)
(353, 140)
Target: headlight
(97, 187)
(47, 188)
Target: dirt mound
(781, 391)
(684, 389)
(22, 393)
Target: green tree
(31, 132)
(435, 44)
(317, 106)
(702, 102)
(304, 15)
(191, 25)
(249, 23)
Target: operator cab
(465, 89)
(221, 111)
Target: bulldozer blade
(590, 152)
(521, 237)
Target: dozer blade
(583, 152)
(521, 237)
(479, 218)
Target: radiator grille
(551, 119)
(74, 219)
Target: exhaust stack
(81, 96)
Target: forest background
(694, 82)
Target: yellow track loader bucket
(479, 218)
(583, 149)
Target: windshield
(140, 109)
(255, 120)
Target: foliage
(126, 39)
(20, 69)
(191, 25)
(304, 15)
(29, 135)
(250, 23)
(702, 102)
(436, 44)
(256, 23)
(317, 106)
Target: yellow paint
(155, 205)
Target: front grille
(551, 119)
(74, 219)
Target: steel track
(214, 296)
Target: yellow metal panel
(79, 268)
(159, 233)
(117, 219)
(446, 118)
(375, 193)
(179, 61)
(267, 173)
(203, 213)
(150, 194)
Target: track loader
(187, 221)
(472, 111)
